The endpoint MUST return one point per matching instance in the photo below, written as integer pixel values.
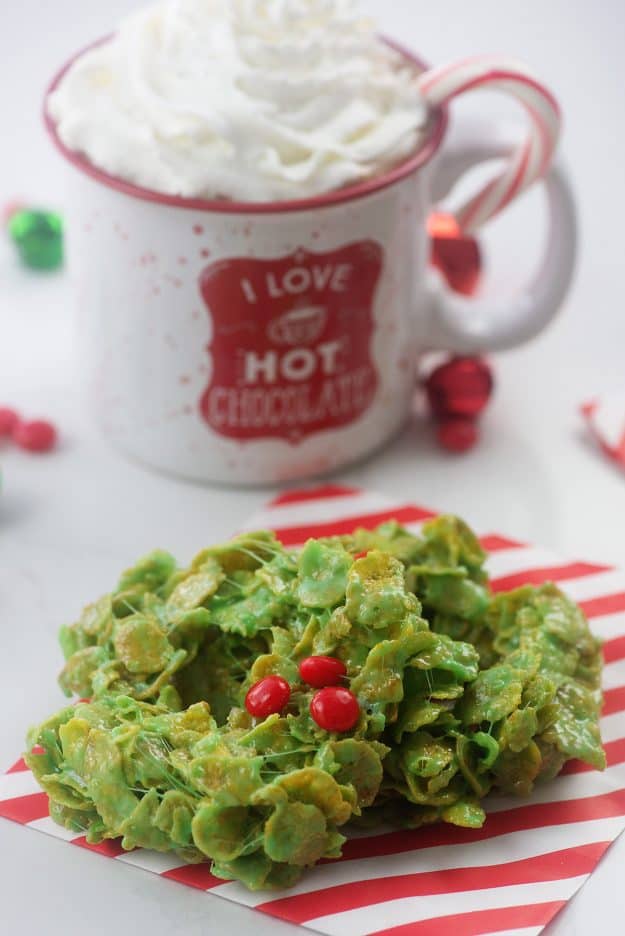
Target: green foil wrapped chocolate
(38, 237)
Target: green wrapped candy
(38, 236)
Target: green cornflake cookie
(461, 693)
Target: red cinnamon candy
(335, 709)
(321, 671)
(268, 697)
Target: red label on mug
(291, 346)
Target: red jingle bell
(457, 434)
(456, 255)
(461, 387)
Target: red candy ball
(9, 420)
(35, 436)
(461, 387)
(320, 671)
(268, 697)
(457, 434)
(335, 709)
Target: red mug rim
(418, 159)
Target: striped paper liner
(605, 418)
(510, 877)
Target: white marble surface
(70, 521)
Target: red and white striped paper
(605, 418)
(510, 877)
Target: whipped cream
(251, 100)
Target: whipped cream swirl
(251, 100)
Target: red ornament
(457, 256)
(361, 555)
(268, 697)
(36, 436)
(320, 671)
(335, 709)
(9, 420)
(461, 387)
(458, 434)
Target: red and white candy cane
(532, 159)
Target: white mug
(261, 343)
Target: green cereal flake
(323, 571)
(141, 644)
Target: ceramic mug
(260, 343)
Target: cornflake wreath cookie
(245, 709)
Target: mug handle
(464, 325)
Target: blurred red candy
(35, 436)
(457, 434)
(9, 420)
(461, 387)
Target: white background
(70, 521)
